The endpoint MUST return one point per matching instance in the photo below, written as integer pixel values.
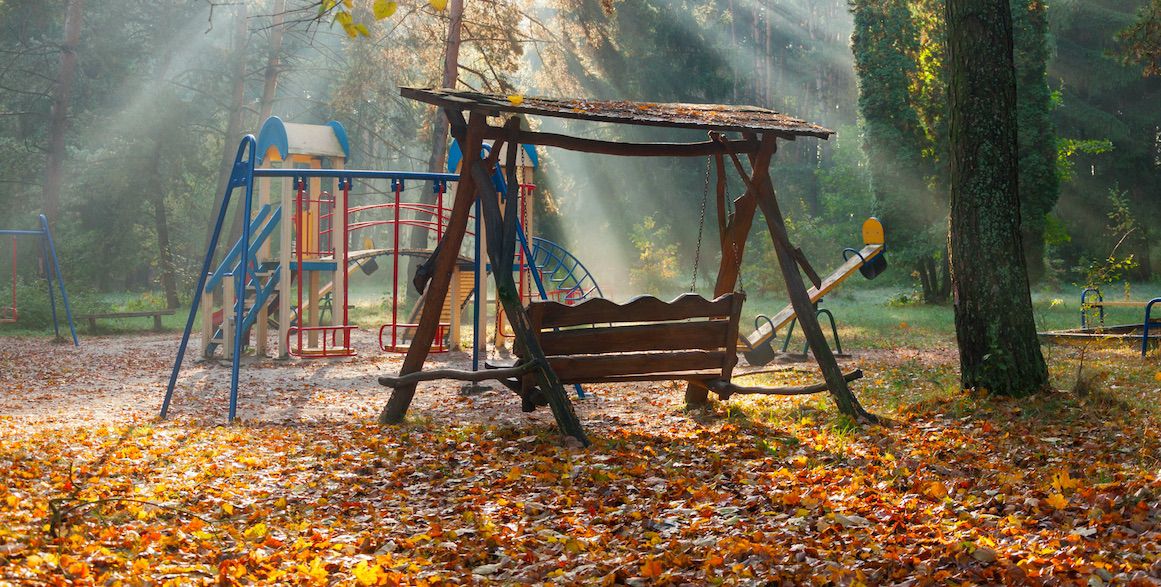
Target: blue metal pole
(247, 141)
(240, 285)
(64, 294)
(1145, 326)
(46, 255)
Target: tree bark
(59, 120)
(273, 62)
(234, 123)
(439, 127)
(998, 347)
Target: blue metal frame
(48, 249)
(1145, 327)
(1084, 300)
(242, 175)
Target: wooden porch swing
(689, 338)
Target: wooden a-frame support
(500, 230)
(733, 232)
(475, 180)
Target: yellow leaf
(228, 508)
(383, 9)
(514, 474)
(516, 99)
(439, 5)
(1157, 376)
(651, 569)
(366, 574)
(256, 532)
(1061, 481)
(362, 30)
(1057, 501)
(281, 502)
(317, 571)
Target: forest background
(161, 92)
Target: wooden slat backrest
(599, 340)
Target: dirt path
(121, 379)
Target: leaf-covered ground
(1059, 489)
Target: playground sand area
(121, 379)
(309, 490)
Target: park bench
(599, 341)
(156, 314)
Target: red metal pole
(346, 256)
(398, 185)
(298, 253)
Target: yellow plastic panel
(873, 232)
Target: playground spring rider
(11, 313)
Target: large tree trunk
(161, 225)
(998, 347)
(273, 62)
(61, 96)
(439, 126)
(234, 124)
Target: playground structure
(871, 261)
(617, 353)
(10, 312)
(1092, 308)
(292, 281)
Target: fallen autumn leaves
(958, 488)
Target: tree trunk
(161, 225)
(234, 124)
(998, 348)
(273, 62)
(61, 96)
(439, 128)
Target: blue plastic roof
(454, 155)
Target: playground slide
(872, 248)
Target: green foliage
(1142, 39)
(1068, 149)
(35, 308)
(656, 266)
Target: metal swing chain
(700, 227)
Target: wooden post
(339, 239)
(285, 277)
(796, 288)
(732, 236)
(471, 140)
(260, 324)
(501, 251)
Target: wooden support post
(260, 324)
(732, 235)
(501, 251)
(471, 140)
(285, 277)
(796, 288)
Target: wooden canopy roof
(708, 117)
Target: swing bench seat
(598, 341)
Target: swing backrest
(596, 341)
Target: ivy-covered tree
(998, 347)
(885, 45)
(1039, 185)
